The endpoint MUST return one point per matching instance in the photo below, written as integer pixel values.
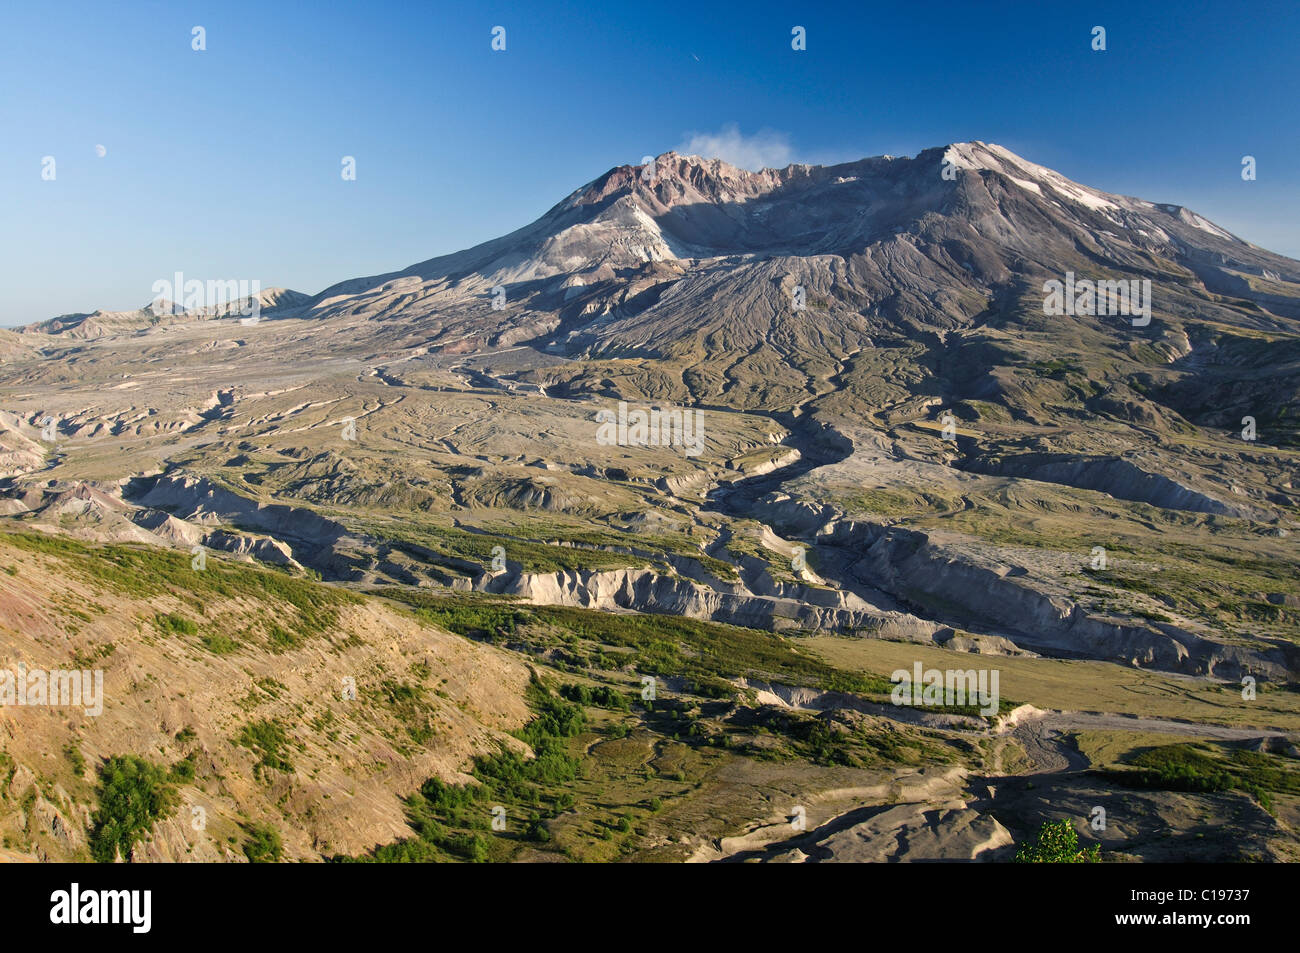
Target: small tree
(1057, 843)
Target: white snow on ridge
(1196, 221)
(1029, 175)
(965, 155)
(1085, 196)
(1026, 174)
(1082, 195)
(970, 155)
(1025, 184)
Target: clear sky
(225, 163)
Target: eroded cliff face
(1121, 478)
(196, 499)
(1032, 609)
(646, 590)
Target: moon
(101, 151)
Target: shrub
(75, 758)
(219, 644)
(449, 817)
(133, 794)
(183, 770)
(173, 624)
(1057, 843)
(601, 696)
(1175, 768)
(263, 845)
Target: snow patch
(1058, 183)
(1026, 184)
(1196, 221)
(1026, 174)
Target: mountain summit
(702, 267)
(906, 237)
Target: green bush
(73, 753)
(133, 794)
(1057, 843)
(173, 624)
(600, 696)
(1182, 767)
(219, 644)
(184, 769)
(1175, 768)
(263, 845)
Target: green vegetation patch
(133, 794)
(408, 703)
(173, 624)
(452, 821)
(1205, 768)
(269, 741)
(263, 845)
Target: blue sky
(226, 163)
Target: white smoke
(765, 149)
